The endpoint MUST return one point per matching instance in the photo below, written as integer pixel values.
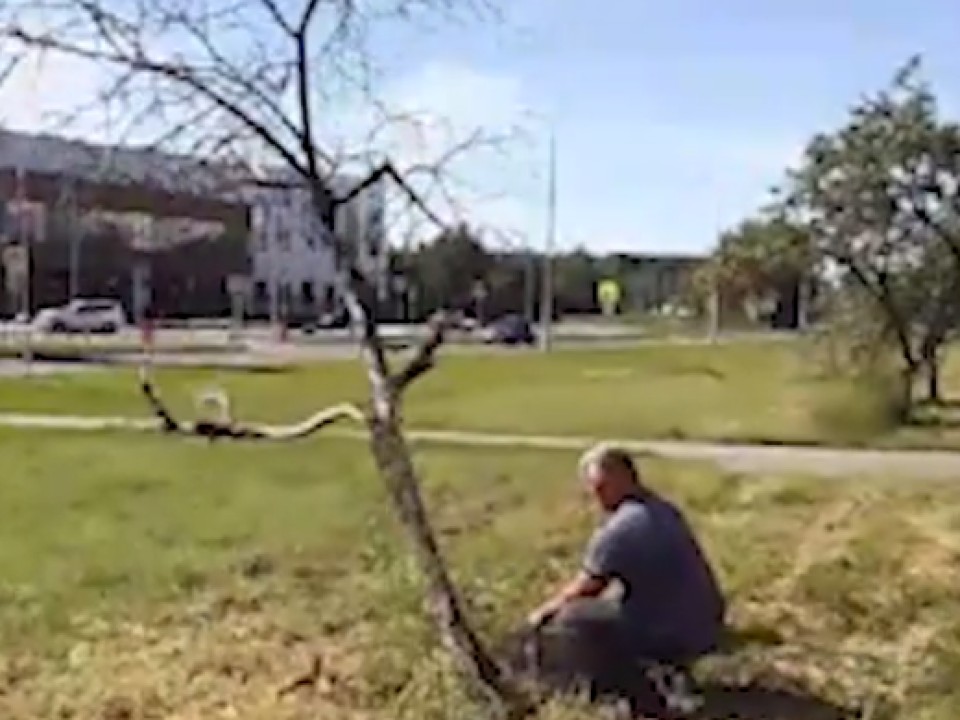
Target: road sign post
(480, 293)
(16, 266)
(238, 286)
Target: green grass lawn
(750, 391)
(81, 347)
(143, 577)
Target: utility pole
(271, 230)
(529, 283)
(24, 232)
(550, 241)
(68, 212)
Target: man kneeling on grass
(670, 610)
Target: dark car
(337, 320)
(511, 330)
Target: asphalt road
(264, 334)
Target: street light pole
(68, 211)
(546, 298)
(529, 283)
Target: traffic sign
(15, 263)
(608, 295)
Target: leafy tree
(755, 262)
(878, 198)
(575, 281)
(757, 256)
(448, 268)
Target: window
(306, 292)
(311, 233)
(260, 291)
(27, 219)
(376, 218)
(373, 242)
(282, 238)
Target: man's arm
(600, 567)
(584, 585)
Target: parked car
(459, 320)
(510, 330)
(335, 320)
(91, 315)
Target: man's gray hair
(605, 457)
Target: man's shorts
(601, 632)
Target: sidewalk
(824, 462)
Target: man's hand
(583, 585)
(541, 616)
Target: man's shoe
(676, 688)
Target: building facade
(293, 271)
(657, 282)
(165, 234)
(85, 220)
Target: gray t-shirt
(670, 591)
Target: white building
(292, 267)
(290, 270)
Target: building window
(376, 218)
(306, 292)
(260, 292)
(310, 234)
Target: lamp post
(549, 246)
(514, 242)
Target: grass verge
(747, 392)
(149, 578)
(80, 350)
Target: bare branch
(255, 100)
(388, 170)
(227, 429)
(424, 357)
(276, 14)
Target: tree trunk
(930, 364)
(932, 371)
(392, 457)
(907, 380)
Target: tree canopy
(877, 201)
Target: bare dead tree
(246, 85)
(225, 427)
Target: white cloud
(439, 107)
(44, 89)
(462, 95)
(434, 108)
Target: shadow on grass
(553, 666)
(753, 701)
(941, 404)
(772, 698)
(936, 414)
(698, 371)
(128, 358)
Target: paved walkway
(826, 462)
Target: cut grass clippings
(144, 577)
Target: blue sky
(672, 119)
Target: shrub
(860, 407)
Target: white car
(82, 316)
